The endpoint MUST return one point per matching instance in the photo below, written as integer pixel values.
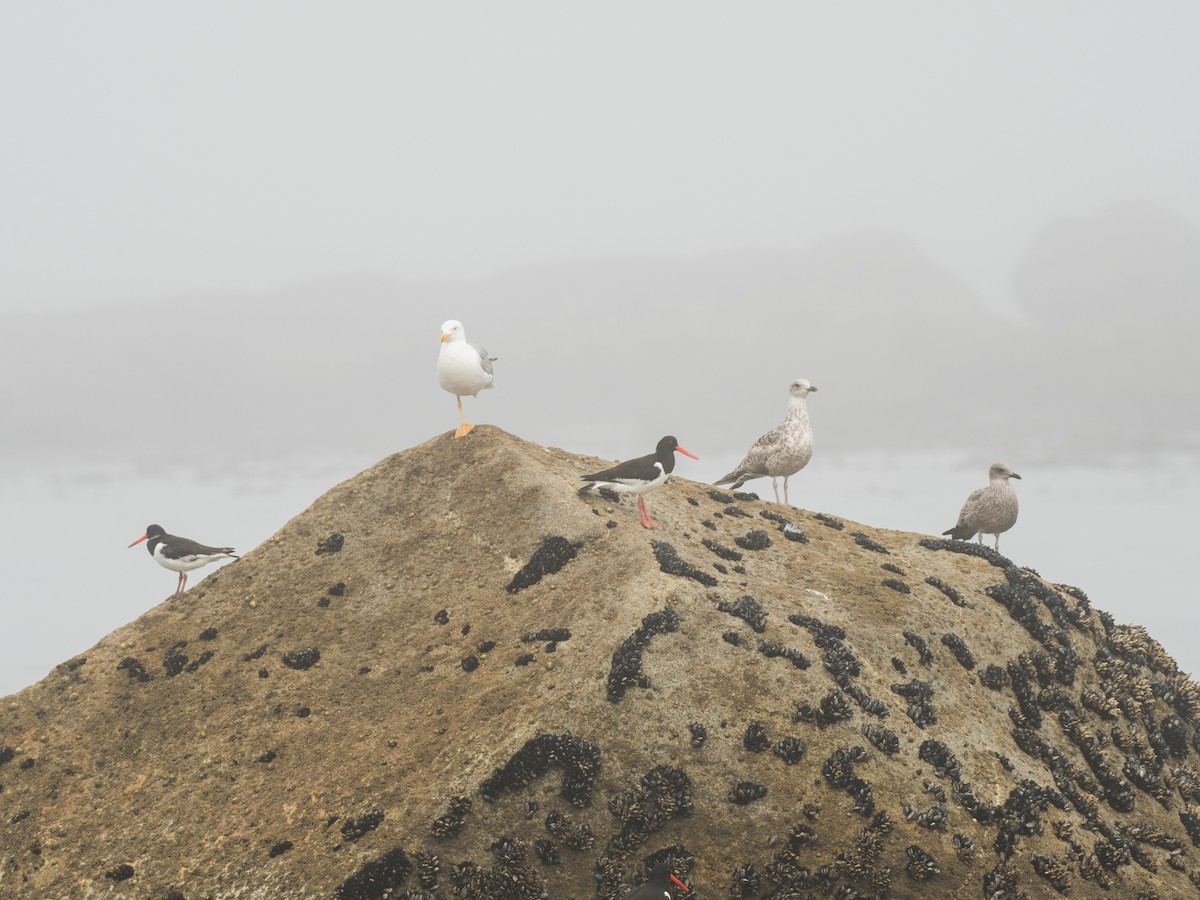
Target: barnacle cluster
(772, 649)
(509, 877)
(301, 659)
(755, 539)
(659, 796)
(428, 866)
(790, 750)
(1055, 871)
(933, 818)
(579, 760)
(736, 512)
(353, 829)
(670, 562)
(829, 521)
(868, 704)
(896, 585)
(839, 772)
(881, 739)
(919, 695)
(969, 549)
(744, 882)
(626, 668)
(893, 568)
(994, 677)
(833, 708)
(755, 739)
(747, 792)
(960, 650)
(921, 866)
(578, 837)
(954, 596)
(722, 551)
(965, 847)
(554, 553)
(554, 635)
(720, 496)
(914, 640)
(699, 734)
(453, 821)
(377, 878)
(747, 609)
(867, 543)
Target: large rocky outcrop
(453, 674)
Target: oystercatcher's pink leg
(641, 505)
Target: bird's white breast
(460, 371)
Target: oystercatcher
(180, 554)
(463, 369)
(784, 450)
(638, 476)
(659, 885)
(989, 510)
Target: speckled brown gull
(989, 510)
(784, 450)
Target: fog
(230, 234)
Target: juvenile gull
(180, 554)
(463, 369)
(989, 510)
(637, 476)
(784, 450)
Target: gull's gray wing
(485, 361)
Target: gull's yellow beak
(443, 338)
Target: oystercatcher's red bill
(686, 452)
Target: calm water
(1120, 531)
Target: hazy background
(229, 233)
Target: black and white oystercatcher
(638, 476)
(463, 369)
(180, 554)
(659, 885)
(989, 510)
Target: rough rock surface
(394, 719)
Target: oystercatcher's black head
(152, 533)
(668, 446)
(661, 878)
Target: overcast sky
(154, 149)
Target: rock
(209, 781)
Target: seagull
(989, 510)
(784, 450)
(463, 369)
(658, 887)
(180, 554)
(638, 476)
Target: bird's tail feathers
(737, 476)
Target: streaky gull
(638, 476)
(180, 554)
(463, 369)
(989, 510)
(784, 450)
